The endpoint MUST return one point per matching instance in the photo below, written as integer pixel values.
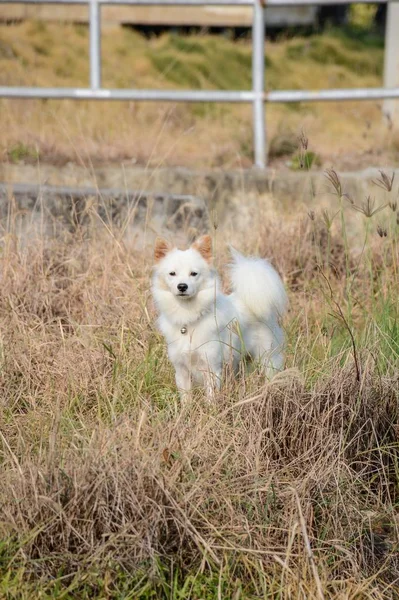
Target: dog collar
(183, 330)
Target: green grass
(337, 50)
(166, 583)
(20, 152)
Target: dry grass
(49, 54)
(283, 489)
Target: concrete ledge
(215, 187)
(187, 198)
(70, 207)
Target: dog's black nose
(182, 287)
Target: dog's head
(184, 272)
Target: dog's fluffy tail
(257, 286)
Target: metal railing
(257, 96)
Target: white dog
(206, 329)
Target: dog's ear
(162, 247)
(204, 246)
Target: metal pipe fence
(257, 96)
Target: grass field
(345, 135)
(284, 490)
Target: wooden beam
(210, 16)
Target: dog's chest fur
(211, 339)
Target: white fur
(220, 328)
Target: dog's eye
(172, 274)
(193, 274)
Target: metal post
(391, 60)
(95, 44)
(258, 83)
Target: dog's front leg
(212, 382)
(183, 382)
